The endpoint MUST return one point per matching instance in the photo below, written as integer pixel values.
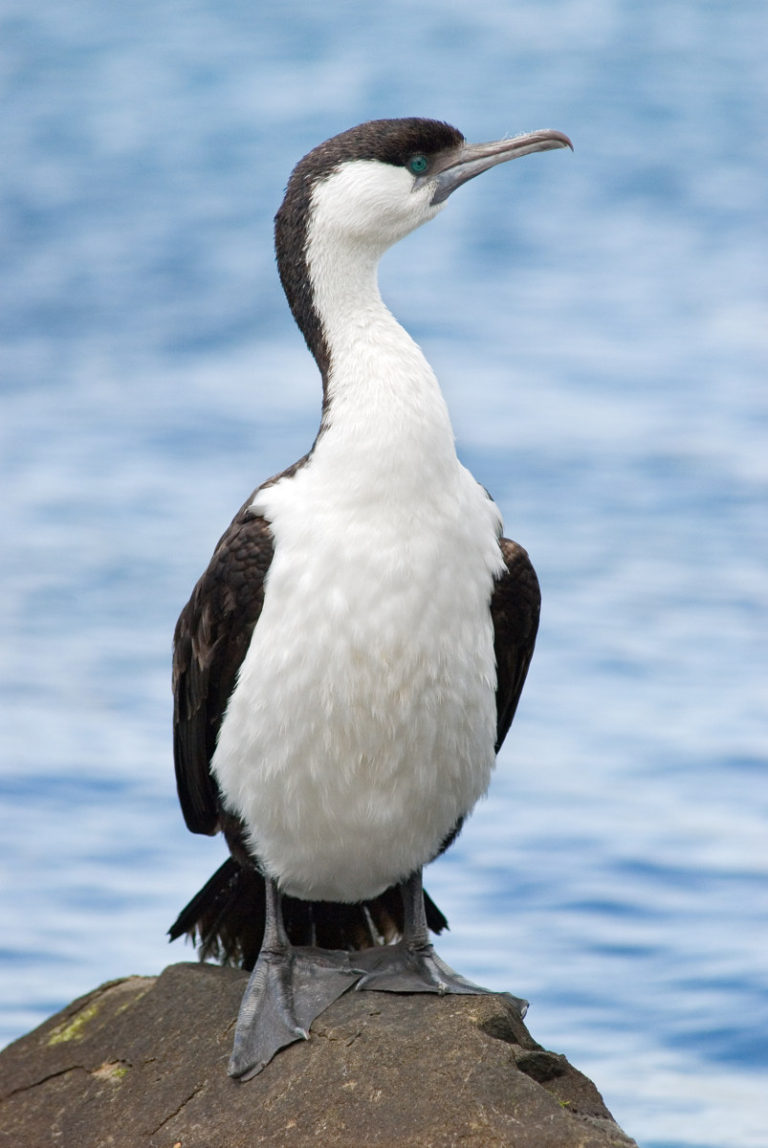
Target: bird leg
(288, 988)
(412, 965)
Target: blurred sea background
(598, 322)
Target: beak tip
(561, 140)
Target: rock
(142, 1063)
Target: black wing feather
(515, 607)
(210, 642)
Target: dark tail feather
(225, 920)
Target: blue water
(598, 321)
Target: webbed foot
(402, 968)
(288, 988)
(412, 965)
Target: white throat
(386, 410)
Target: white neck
(386, 414)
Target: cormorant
(350, 662)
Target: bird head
(366, 188)
(380, 180)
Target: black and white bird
(351, 660)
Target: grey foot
(404, 968)
(285, 993)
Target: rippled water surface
(598, 321)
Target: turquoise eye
(418, 164)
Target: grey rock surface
(142, 1063)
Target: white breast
(363, 723)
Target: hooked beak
(456, 167)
